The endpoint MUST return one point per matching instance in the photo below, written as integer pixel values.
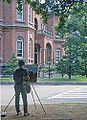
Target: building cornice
(16, 26)
(59, 40)
(1, 25)
(42, 32)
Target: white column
(40, 56)
(44, 56)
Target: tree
(11, 64)
(72, 53)
(61, 67)
(74, 31)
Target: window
(0, 47)
(43, 27)
(30, 48)
(57, 55)
(0, 51)
(19, 47)
(30, 15)
(35, 23)
(19, 14)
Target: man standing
(20, 75)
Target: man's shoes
(19, 113)
(26, 114)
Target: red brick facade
(44, 44)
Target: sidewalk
(54, 112)
(61, 83)
(53, 83)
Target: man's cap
(21, 62)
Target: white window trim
(31, 51)
(57, 50)
(18, 19)
(19, 49)
(30, 14)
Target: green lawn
(55, 79)
(65, 78)
(9, 79)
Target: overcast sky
(42, 1)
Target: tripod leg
(9, 103)
(38, 98)
(33, 99)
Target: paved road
(49, 94)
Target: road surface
(49, 94)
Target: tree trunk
(62, 75)
(70, 76)
(70, 73)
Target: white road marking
(74, 93)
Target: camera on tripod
(33, 76)
(32, 69)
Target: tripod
(38, 98)
(32, 86)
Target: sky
(42, 1)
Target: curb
(62, 83)
(49, 83)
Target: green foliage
(11, 64)
(7, 1)
(61, 67)
(73, 20)
(74, 31)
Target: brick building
(27, 36)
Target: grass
(65, 79)
(53, 79)
(9, 79)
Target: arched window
(57, 55)
(30, 48)
(19, 47)
(19, 14)
(48, 52)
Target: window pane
(30, 15)
(19, 55)
(19, 15)
(57, 55)
(19, 51)
(19, 47)
(30, 48)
